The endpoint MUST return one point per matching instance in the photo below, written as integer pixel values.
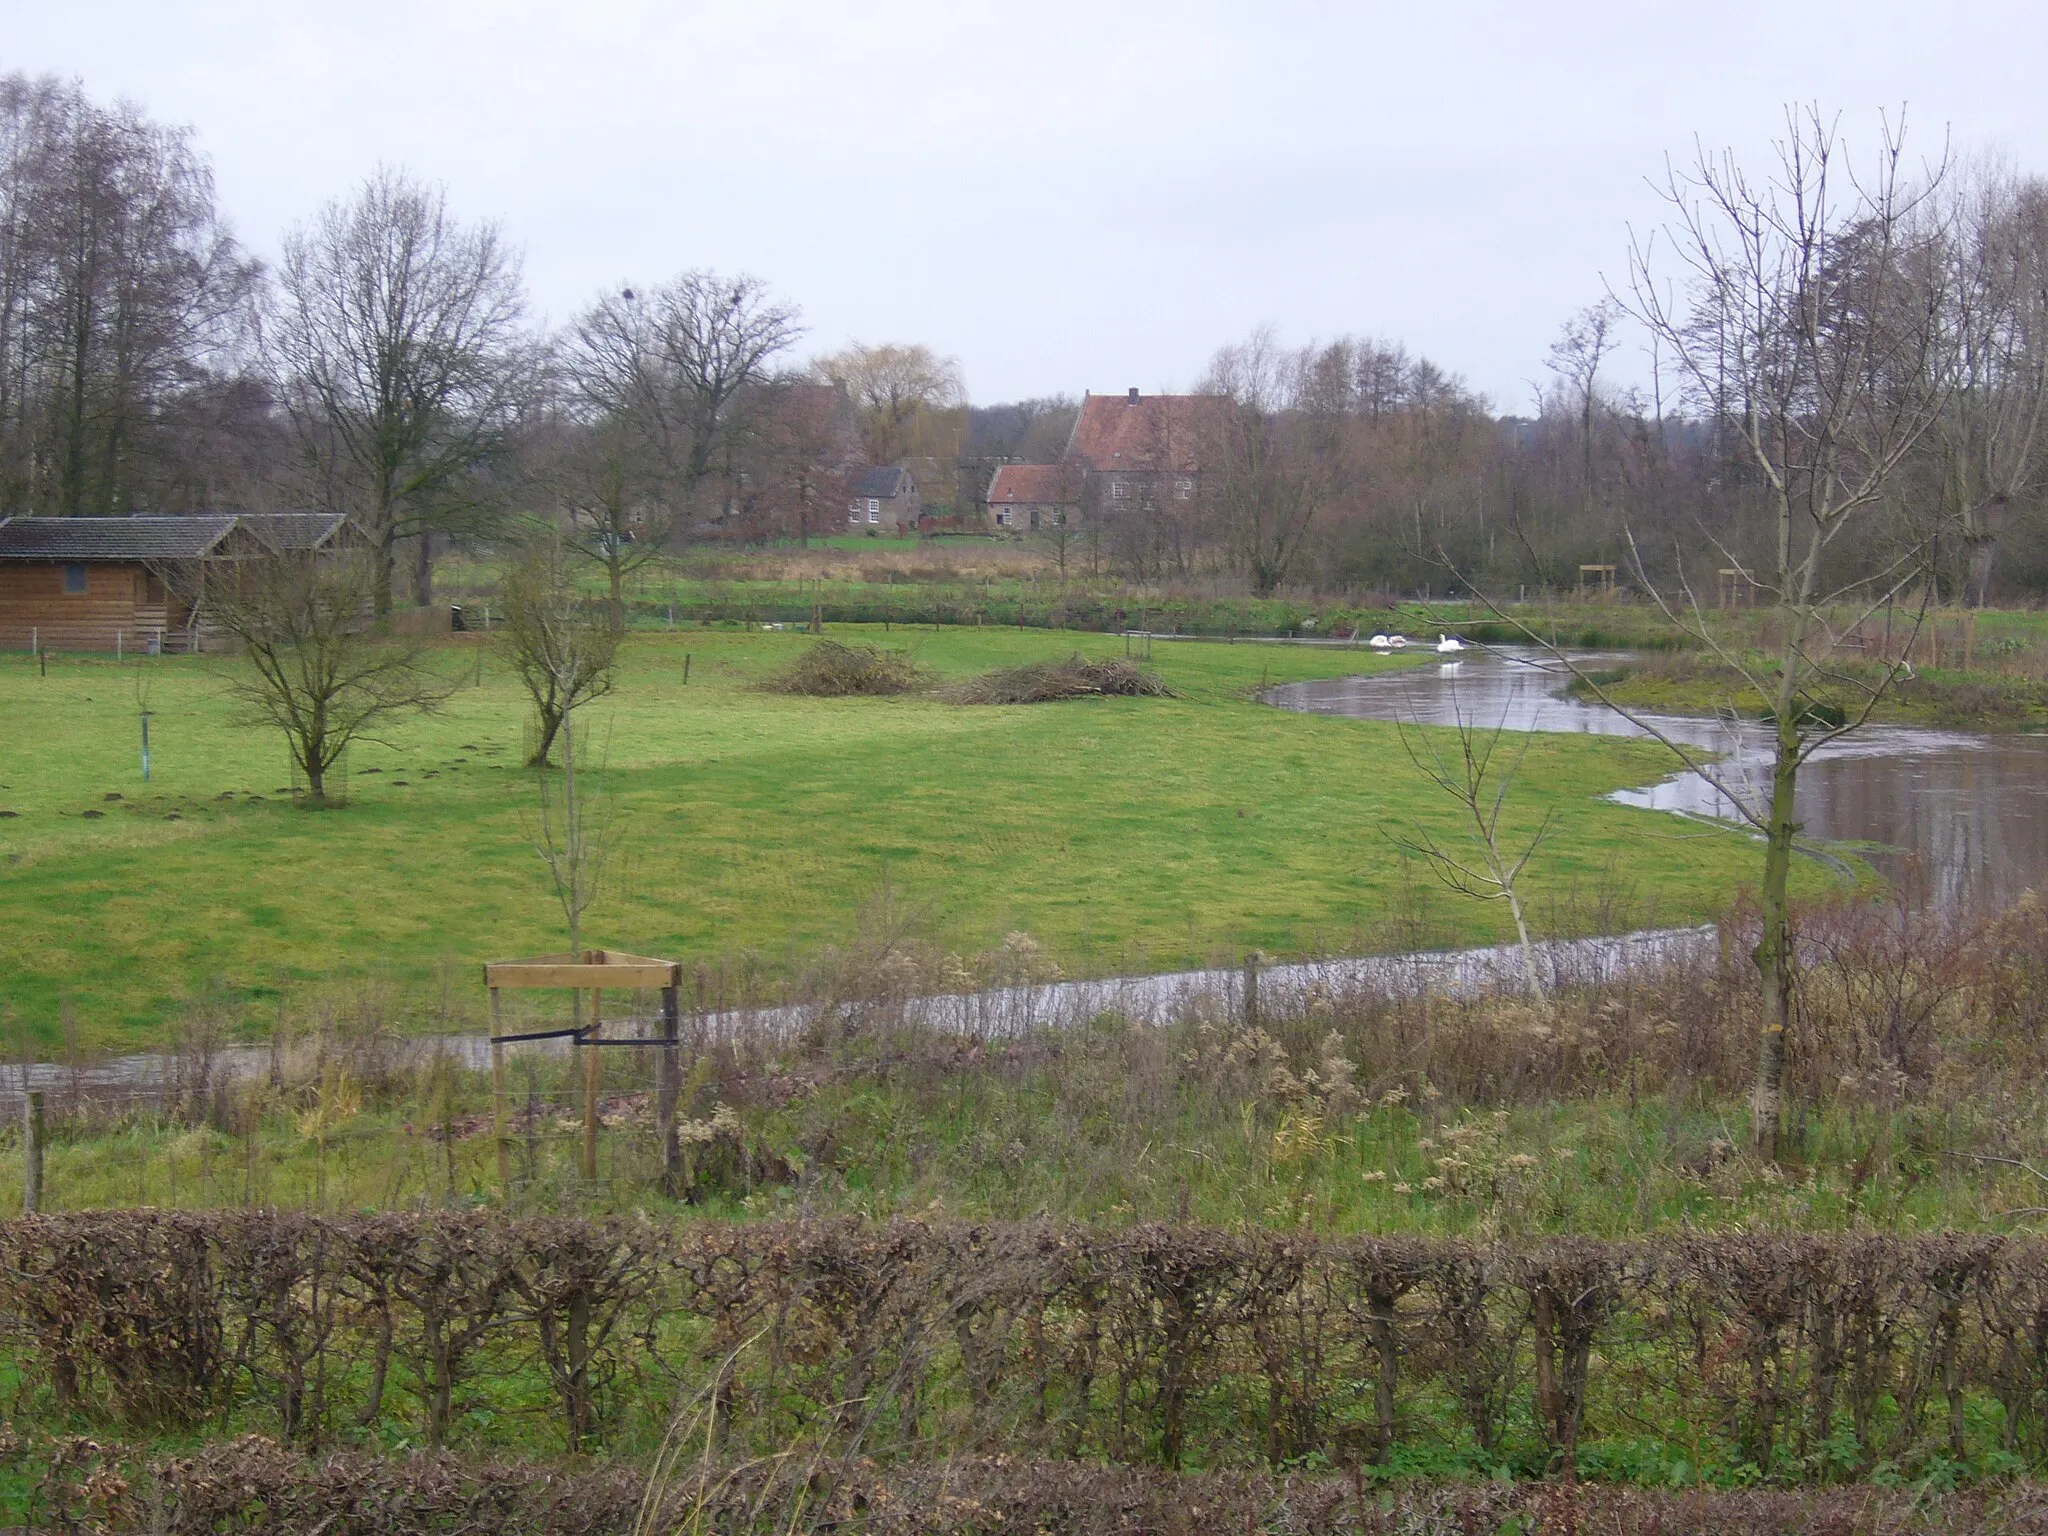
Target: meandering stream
(1961, 816)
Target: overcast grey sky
(1064, 196)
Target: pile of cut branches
(1077, 677)
(829, 670)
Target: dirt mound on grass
(829, 670)
(1074, 678)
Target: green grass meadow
(1122, 834)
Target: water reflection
(1962, 816)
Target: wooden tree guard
(1596, 581)
(592, 971)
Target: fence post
(498, 1098)
(32, 1151)
(666, 1087)
(1252, 962)
(590, 1070)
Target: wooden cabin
(133, 583)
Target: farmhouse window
(74, 580)
(1118, 491)
(1184, 489)
(874, 506)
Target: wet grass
(1123, 834)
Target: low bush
(829, 670)
(1077, 677)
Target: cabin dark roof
(882, 481)
(159, 538)
(113, 538)
(295, 530)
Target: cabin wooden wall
(121, 598)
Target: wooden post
(1251, 990)
(32, 1151)
(498, 1100)
(1969, 638)
(667, 1085)
(590, 1077)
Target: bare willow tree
(319, 669)
(396, 348)
(908, 400)
(1479, 784)
(565, 654)
(1804, 310)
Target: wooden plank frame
(592, 968)
(593, 971)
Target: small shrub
(1074, 678)
(829, 670)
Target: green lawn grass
(1121, 834)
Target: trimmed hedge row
(1797, 1356)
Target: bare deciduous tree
(1807, 321)
(1481, 788)
(319, 671)
(1277, 452)
(124, 299)
(564, 654)
(1986, 440)
(667, 373)
(1575, 358)
(397, 350)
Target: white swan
(1449, 643)
(1398, 642)
(1380, 643)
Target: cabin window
(74, 579)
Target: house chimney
(1133, 400)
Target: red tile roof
(1032, 484)
(1149, 433)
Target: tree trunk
(382, 571)
(1982, 551)
(423, 570)
(310, 755)
(550, 723)
(1775, 958)
(616, 570)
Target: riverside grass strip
(1729, 1358)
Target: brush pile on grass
(1074, 678)
(829, 670)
